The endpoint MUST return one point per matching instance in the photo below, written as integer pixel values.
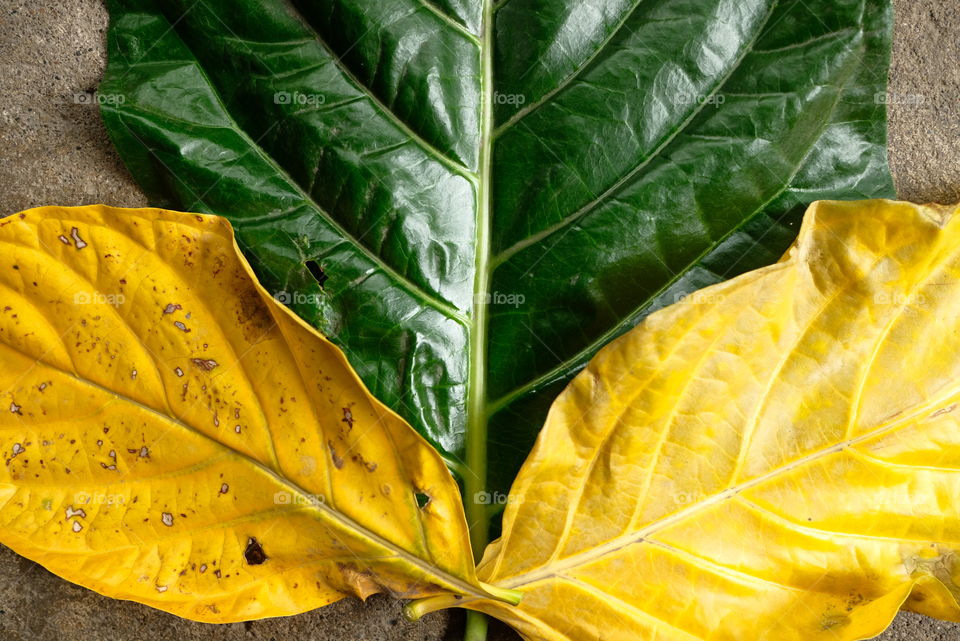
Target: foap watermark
(515, 99)
(898, 98)
(699, 298)
(715, 99)
(289, 498)
(900, 299)
(299, 98)
(688, 498)
(500, 298)
(296, 298)
(98, 298)
(495, 498)
(98, 498)
(98, 99)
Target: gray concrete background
(55, 151)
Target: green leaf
(471, 198)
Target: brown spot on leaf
(944, 410)
(206, 364)
(254, 553)
(337, 461)
(358, 458)
(75, 234)
(834, 621)
(347, 418)
(253, 317)
(70, 512)
(317, 272)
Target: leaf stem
(476, 626)
(416, 609)
(475, 479)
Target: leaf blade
(773, 409)
(134, 392)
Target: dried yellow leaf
(174, 436)
(776, 458)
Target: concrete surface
(54, 150)
(925, 138)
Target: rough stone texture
(54, 150)
(925, 71)
(37, 606)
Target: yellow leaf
(776, 458)
(173, 436)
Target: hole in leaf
(422, 500)
(317, 272)
(254, 553)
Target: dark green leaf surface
(494, 191)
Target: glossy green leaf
(471, 198)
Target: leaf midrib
(476, 444)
